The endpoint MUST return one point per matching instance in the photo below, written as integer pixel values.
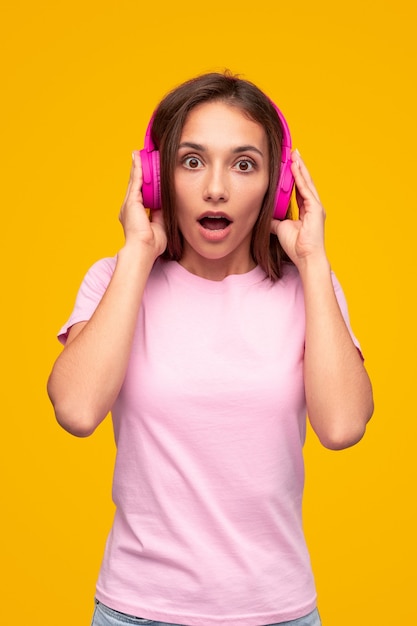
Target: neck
(216, 269)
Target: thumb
(275, 224)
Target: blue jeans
(104, 616)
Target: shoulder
(102, 269)
(290, 281)
(95, 282)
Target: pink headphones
(151, 188)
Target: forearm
(89, 372)
(338, 390)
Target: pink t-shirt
(209, 426)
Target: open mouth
(214, 222)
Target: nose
(216, 187)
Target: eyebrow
(200, 148)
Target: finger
(157, 217)
(274, 227)
(302, 176)
(297, 158)
(134, 187)
(137, 176)
(304, 186)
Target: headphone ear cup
(151, 186)
(284, 190)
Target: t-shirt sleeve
(89, 294)
(344, 309)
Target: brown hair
(167, 127)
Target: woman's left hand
(302, 239)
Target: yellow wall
(79, 82)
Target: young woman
(210, 336)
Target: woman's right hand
(138, 228)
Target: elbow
(72, 418)
(340, 440)
(74, 421)
(72, 413)
(346, 431)
(75, 424)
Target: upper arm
(74, 331)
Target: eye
(245, 165)
(192, 162)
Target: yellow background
(79, 81)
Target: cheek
(185, 188)
(180, 197)
(253, 196)
(183, 211)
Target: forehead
(214, 121)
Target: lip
(214, 236)
(214, 214)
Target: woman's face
(221, 177)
